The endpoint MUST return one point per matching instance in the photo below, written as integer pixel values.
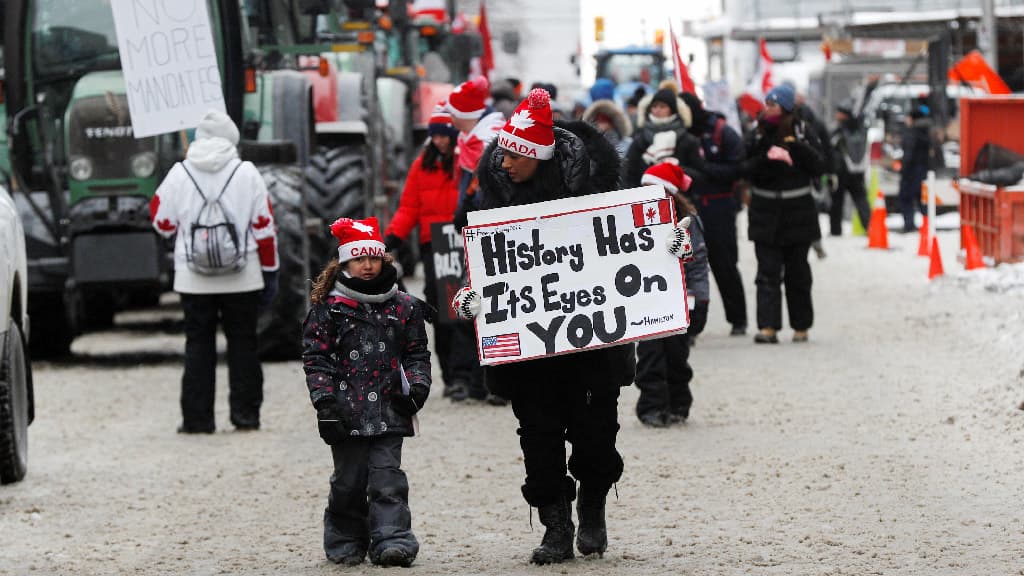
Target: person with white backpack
(225, 267)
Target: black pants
(237, 313)
(854, 184)
(663, 375)
(910, 194)
(777, 265)
(719, 217)
(554, 405)
(368, 506)
(443, 331)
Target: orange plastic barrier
(997, 216)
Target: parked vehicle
(17, 408)
(885, 110)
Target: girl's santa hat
(469, 99)
(358, 238)
(669, 175)
(530, 132)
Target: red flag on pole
(752, 100)
(487, 59)
(682, 74)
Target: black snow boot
(556, 545)
(593, 536)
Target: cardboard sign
(169, 63)
(575, 274)
(449, 262)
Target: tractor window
(279, 22)
(72, 36)
(620, 68)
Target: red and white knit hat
(669, 175)
(469, 99)
(530, 132)
(358, 238)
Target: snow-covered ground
(889, 444)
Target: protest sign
(169, 63)
(574, 274)
(449, 258)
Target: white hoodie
(177, 203)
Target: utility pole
(988, 34)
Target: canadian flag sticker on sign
(651, 213)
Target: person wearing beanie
(564, 398)
(612, 123)
(783, 160)
(718, 205)
(662, 136)
(367, 366)
(603, 89)
(478, 125)
(644, 104)
(663, 372)
(430, 196)
(916, 142)
(231, 287)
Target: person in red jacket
(430, 195)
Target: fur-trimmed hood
(610, 109)
(586, 163)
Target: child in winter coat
(663, 372)
(368, 373)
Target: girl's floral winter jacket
(356, 352)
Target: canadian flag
(651, 213)
(681, 73)
(752, 100)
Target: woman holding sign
(571, 397)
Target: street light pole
(988, 36)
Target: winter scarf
(373, 291)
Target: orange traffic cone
(973, 261)
(878, 234)
(922, 245)
(935, 267)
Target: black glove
(269, 288)
(329, 421)
(392, 243)
(404, 405)
(698, 318)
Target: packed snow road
(890, 444)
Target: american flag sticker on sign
(501, 346)
(651, 213)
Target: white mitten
(678, 241)
(466, 302)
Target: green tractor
(83, 181)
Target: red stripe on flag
(665, 211)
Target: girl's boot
(556, 545)
(593, 536)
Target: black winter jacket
(783, 221)
(354, 352)
(723, 156)
(688, 152)
(586, 164)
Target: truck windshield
(71, 36)
(620, 68)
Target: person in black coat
(916, 141)
(662, 136)
(570, 397)
(717, 204)
(783, 157)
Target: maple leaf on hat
(362, 227)
(521, 120)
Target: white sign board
(169, 63)
(574, 274)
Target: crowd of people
(365, 354)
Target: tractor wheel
(336, 178)
(280, 325)
(14, 407)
